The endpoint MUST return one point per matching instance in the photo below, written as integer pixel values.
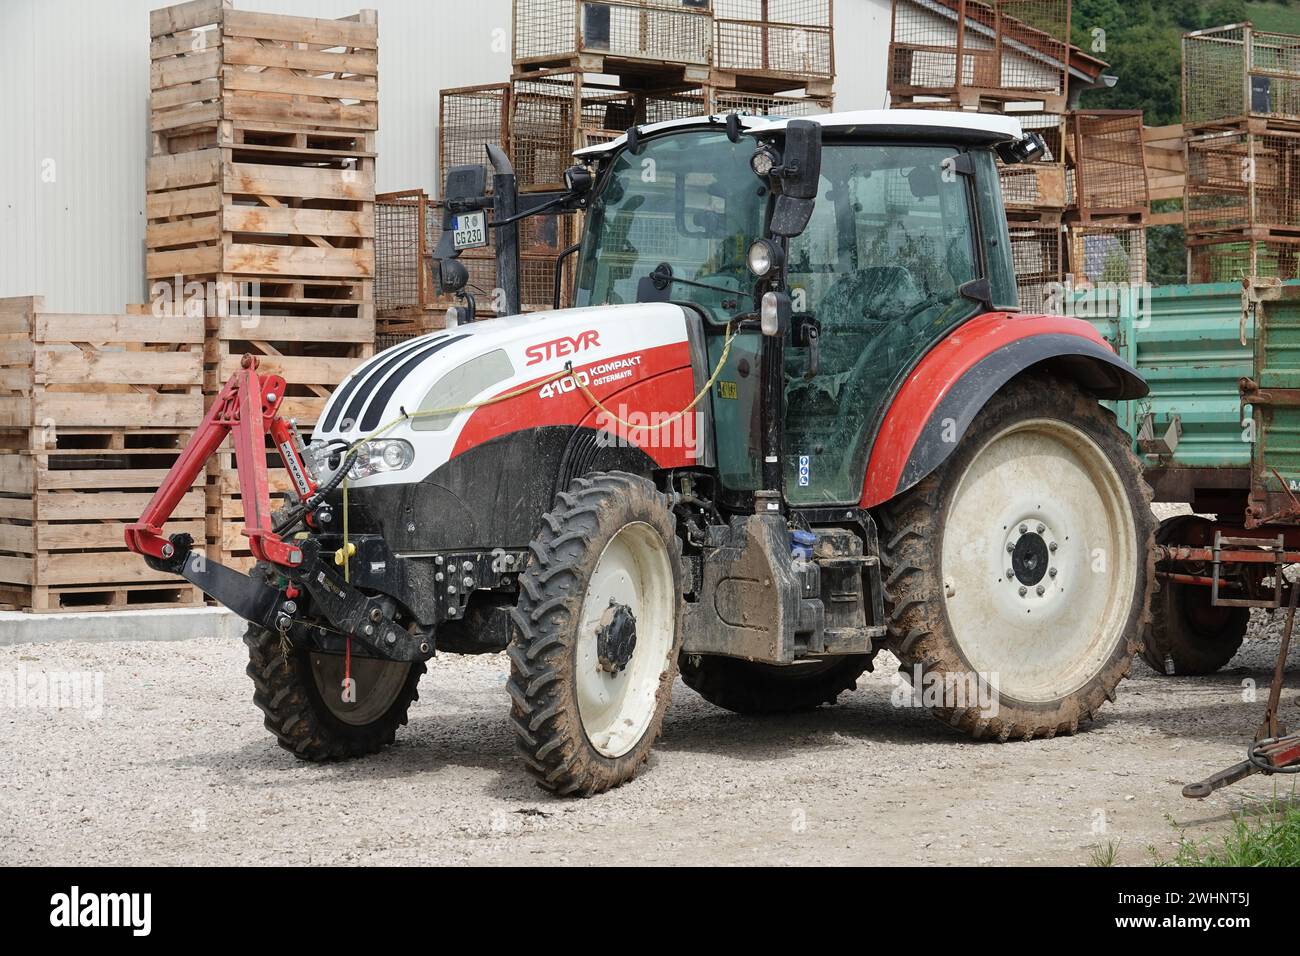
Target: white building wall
(75, 81)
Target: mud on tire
(550, 635)
(296, 713)
(920, 632)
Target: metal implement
(1272, 751)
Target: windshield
(689, 200)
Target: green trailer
(1220, 432)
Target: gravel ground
(178, 770)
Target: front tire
(301, 695)
(1018, 573)
(598, 629)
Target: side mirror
(800, 175)
(465, 188)
(1028, 149)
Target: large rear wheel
(598, 628)
(1019, 572)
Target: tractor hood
(448, 391)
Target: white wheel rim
(1039, 639)
(634, 570)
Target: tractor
(793, 417)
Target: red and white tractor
(795, 417)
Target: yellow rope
(344, 554)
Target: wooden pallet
(210, 62)
(94, 410)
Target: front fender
(940, 396)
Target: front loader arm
(246, 410)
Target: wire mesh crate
(1110, 173)
(1111, 254)
(662, 32)
(767, 104)
(1234, 259)
(1243, 180)
(1038, 259)
(553, 113)
(470, 118)
(399, 248)
(778, 38)
(1233, 73)
(971, 50)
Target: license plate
(469, 230)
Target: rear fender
(937, 401)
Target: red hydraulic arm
(246, 410)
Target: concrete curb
(159, 624)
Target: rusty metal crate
(1228, 259)
(1109, 160)
(775, 38)
(1235, 73)
(969, 51)
(1038, 258)
(654, 33)
(469, 119)
(553, 113)
(768, 104)
(1243, 180)
(1114, 253)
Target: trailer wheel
(1018, 574)
(1187, 635)
(750, 687)
(301, 695)
(597, 631)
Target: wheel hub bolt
(1010, 574)
(1039, 590)
(1041, 529)
(1022, 591)
(1052, 546)
(1024, 528)
(1010, 547)
(1051, 572)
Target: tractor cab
(851, 243)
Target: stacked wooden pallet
(1241, 118)
(93, 412)
(261, 195)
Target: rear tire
(300, 692)
(1187, 635)
(598, 629)
(1043, 492)
(749, 687)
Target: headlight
(764, 160)
(381, 455)
(764, 257)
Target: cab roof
(929, 124)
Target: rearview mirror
(800, 175)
